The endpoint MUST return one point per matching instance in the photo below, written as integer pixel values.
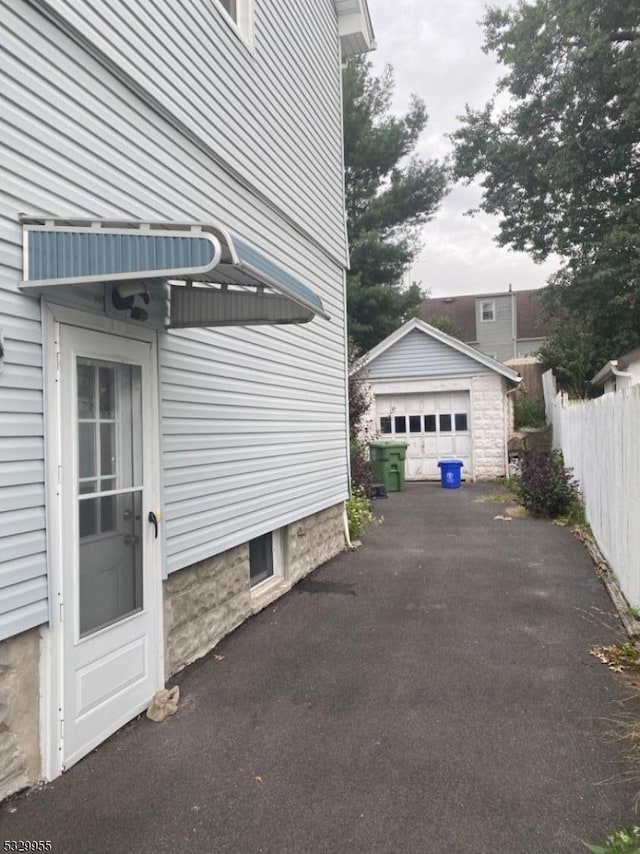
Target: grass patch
(504, 491)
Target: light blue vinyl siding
(23, 569)
(253, 421)
(418, 355)
(272, 112)
(253, 436)
(495, 337)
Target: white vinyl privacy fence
(600, 441)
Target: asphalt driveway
(432, 692)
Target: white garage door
(436, 426)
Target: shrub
(361, 477)
(358, 513)
(545, 486)
(359, 404)
(620, 842)
(528, 411)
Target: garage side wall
(489, 423)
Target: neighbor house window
(488, 310)
(240, 13)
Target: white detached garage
(444, 398)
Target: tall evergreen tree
(390, 194)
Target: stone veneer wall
(206, 601)
(313, 541)
(488, 425)
(19, 712)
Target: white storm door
(109, 548)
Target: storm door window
(385, 424)
(260, 559)
(109, 442)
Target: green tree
(390, 193)
(445, 324)
(560, 164)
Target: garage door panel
(443, 419)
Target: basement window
(267, 563)
(260, 559)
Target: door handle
(154, 521)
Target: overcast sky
(434, 47)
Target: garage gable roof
(438, 335)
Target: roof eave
(355, 29)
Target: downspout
(514, 318)
(347, 538)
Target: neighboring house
(619, 373)
(173, 412)
(444, 398)
(501, 325)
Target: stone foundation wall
(206, 601)
(488, 426)
(314, 541)
(19, 712)
(202, 604)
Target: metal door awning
(216, 278)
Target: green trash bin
(387, 463)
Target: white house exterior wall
(257, 413)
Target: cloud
(435, 48)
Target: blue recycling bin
(450, 473)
